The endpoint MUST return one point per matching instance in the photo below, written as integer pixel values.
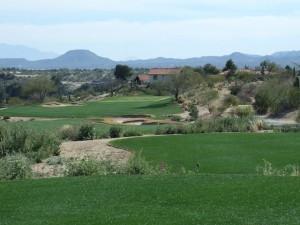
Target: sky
(131, 29)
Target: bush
(229, 124)
(115, 132)
(6, 117)
(55, 160)
(78, 133)
(69, 132)
(231, 101)
(180, 129)
(175, 118)
(137, 165)
(15, 167)
(36, 146)
(193, 112)
(268, 170)
(86, 132)
(166, 130)
(132, 133)
(234, 90)
(276, 97)
(244, 111)
(88, 167)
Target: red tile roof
(144, 77)
(164, 71)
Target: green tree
(2, 94)
(267, 66)
(40, 86)
(122, 72)
(230, 67)
(187, 79)
(60, 87)
(210, 69)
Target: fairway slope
(224, 153)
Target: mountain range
(85, 59)
(20, 51)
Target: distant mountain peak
(85, 59)
(20, 51)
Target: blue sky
(125, 29)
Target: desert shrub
(247, 92)
(86, 132)
(69, 132)
(277, 97)
(213, 79)
(15, 101)
(267, 169)
(180, 129)
(193, 112)
(36, 146)
(137, 165)
(166, 130)
(228, 124)
(244, 111)
(132, 133)
(246, 76)
(104, 135)
(6, 117)
(88, 167)
(287, 128)
(207, 96)
(15, 167)
(231, 100)
(115, 132)
(234, 90)
(175, 118)
(298, 117)
(55, 160)
(78, 133)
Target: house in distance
(158, 74)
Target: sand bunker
(58, 104)
(137, 121)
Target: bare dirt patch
(95, 149)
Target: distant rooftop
(164, 71)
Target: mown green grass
(161, 200)
(116, 106)
(238, 153)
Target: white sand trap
(58, 104)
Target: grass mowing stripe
(166, 200)
(153, 107)
(237, 153)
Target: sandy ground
(135, 121)
(95, 149)
(286, 119)
(58, 104)
(25, 119)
